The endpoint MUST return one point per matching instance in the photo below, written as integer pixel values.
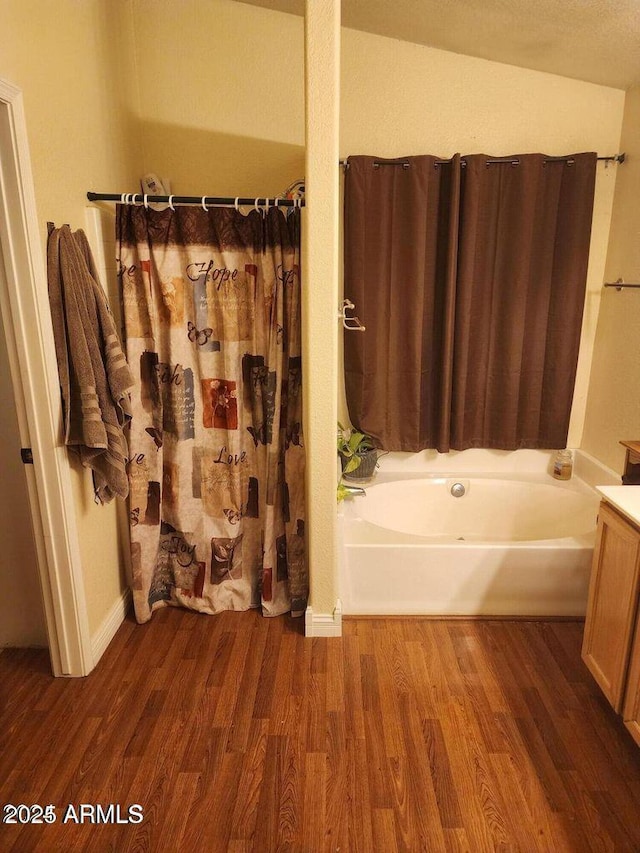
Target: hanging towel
(94, 375)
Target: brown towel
(94, 374)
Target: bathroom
(471, 104)
(212, 96)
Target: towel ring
(171, 202)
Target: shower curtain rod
(263, 201)
(613, 158)
(620, 284)
(204, 201)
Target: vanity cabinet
(631, 707)
(611, 645)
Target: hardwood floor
(234, 733)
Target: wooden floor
(234, 733)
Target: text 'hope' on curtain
(471, 283)
(212, 314)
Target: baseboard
(323, 624)
(110, 624)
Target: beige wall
(613, 406)
(70, 60)
(320, 296)
(222, 106)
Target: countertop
(624, 498)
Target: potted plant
(358, 454)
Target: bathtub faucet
(355, 490)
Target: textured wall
(222, 101)
(613, 406)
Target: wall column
(320, 307)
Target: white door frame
(32, 359)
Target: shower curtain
(470, 277)
(216, 462)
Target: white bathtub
(512, 545)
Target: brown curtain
(499, 351)
(400, 267)
(216, 459)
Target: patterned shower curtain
(216, 462)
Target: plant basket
(366, 469)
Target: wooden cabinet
(631, 707)
(611, 646)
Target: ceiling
(593, 40)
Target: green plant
(342, 492)
(352, 445)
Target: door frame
(32, 359)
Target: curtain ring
(267, 205)
(204, 206)
(122, 201)
(256, 206)
(145, 202)
(171, 202)
(237, 205)
(275, 201)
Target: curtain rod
(613, 158)
(204, 201)
(620, 284)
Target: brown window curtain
(490, 280)
(400, 257)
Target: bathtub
(511, 544)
